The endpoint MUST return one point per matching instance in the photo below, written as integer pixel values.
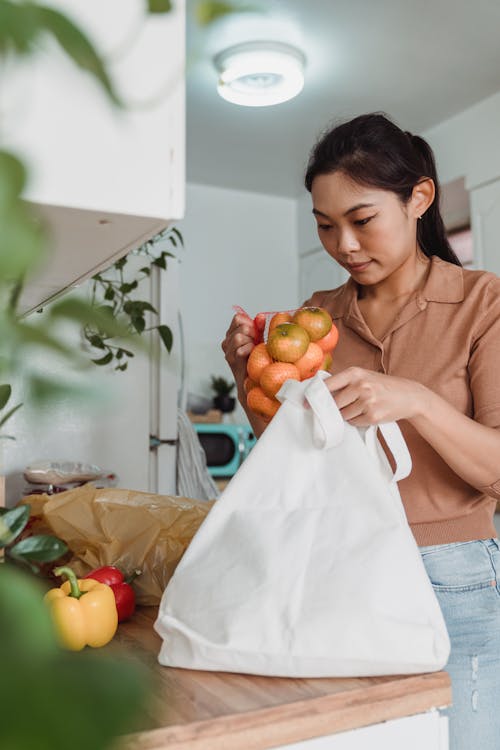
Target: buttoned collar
(444, 283)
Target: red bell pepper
(123, 591)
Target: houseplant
(49, 691)
(223, 389)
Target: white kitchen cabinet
(318, 271)
(103, 179)
(428, 730)
(485, 218)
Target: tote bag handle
(329, 426)
(397, 446)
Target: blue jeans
(466, 580)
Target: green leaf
(14, 173)
(160, 262)
(127, 287)
(9, 414)
(123, 353)
(121, 263)
(145, 270)
(24, 619)
(208, 11)
(96, 341)
(122, 367)
(5, 392)
(40, 548)
(143, 306)
(138, 322)
(109, 294)
(78, 47)
(18, 27)
(22, 239)
(104, 360)
(138, 307)
(179, 236)
(166, 336)
(159, 6)
(13, 522)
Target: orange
(315, 320)
(274, 375)
(327, 362)
(248, 384)
(278, 319)
(288, 342)
(309, 364)
(261, 404)
(329, 342)
(258, 359)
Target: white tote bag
(306, 565)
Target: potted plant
(222, 389)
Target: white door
(485, 216)
(166, 375)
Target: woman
(419, 344)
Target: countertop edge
(301, 720)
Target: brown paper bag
(129, 529)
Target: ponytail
(372, 150)
(431, 232)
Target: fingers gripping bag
(306, 565)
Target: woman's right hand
(237, 345)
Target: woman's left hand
(365, 397)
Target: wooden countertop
(196, 710)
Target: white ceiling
(421, 61)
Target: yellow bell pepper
(83, 611)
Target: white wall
(307, 235)
(240, 249)
(467, 145)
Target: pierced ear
(422, 196)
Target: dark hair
(372, 150)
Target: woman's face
(368, 231)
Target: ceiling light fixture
(259, 74)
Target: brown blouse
(448, 339)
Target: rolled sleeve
(484, 362)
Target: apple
(315, 320)
(287, 342)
